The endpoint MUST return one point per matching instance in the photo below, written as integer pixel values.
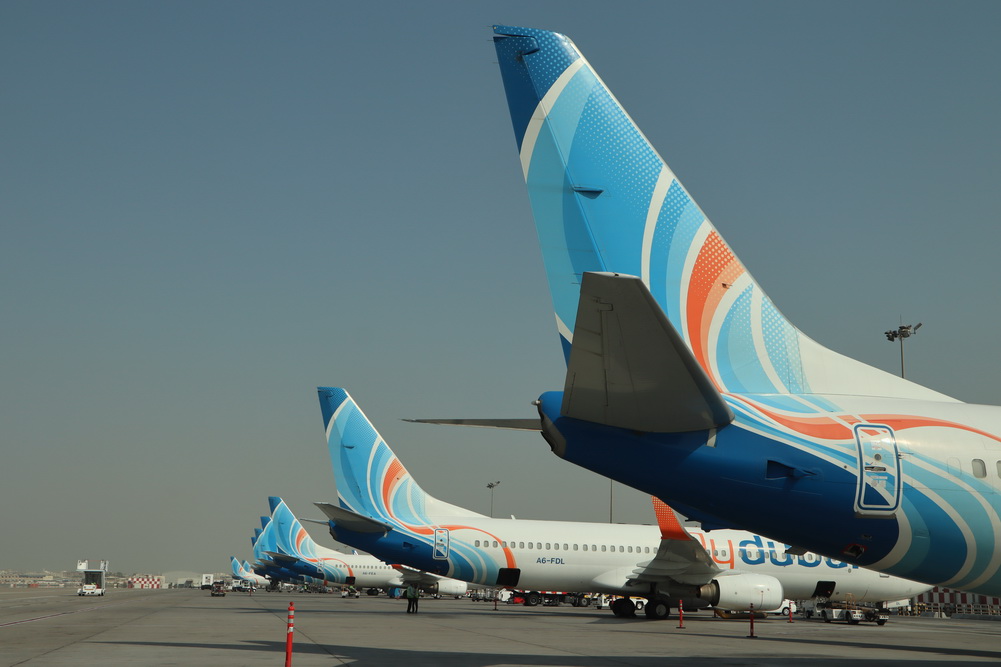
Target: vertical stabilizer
(370, 479)
(290, 537)
(605, 201)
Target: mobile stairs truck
(94, 579)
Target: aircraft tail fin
(371, 480)
(605, 201)
(290, 537)
(265, 539)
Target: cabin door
(879, 486)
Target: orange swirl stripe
(716, 268)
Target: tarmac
(40, 627)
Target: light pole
(902, 332)
(610, 483)
(491, 486)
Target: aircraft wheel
(657, 609)
(624, 608)
(584, 602)
(881, 621)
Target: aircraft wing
(630, 368)
(680, 558)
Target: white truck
(207, 580)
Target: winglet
(667, 519)
(629, 368)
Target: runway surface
(189, 627)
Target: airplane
(384, 511)
(685, 381)
(276, 570)
(295, 550)
(243, 571)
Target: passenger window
(556, 546)
(495, 544)
(575, 547)
(521, 545)
(630, 549)
(602, 547)
(566, 547)
(979, 469)
(547, 545)
(477, 543)
(538, 545)
(585, 547)
(622, 549)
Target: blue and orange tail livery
(371, 480)
(605, 201)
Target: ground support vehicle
(549, 598)
(93, 583)
(847, 612)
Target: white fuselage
(600, 558)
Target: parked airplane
(244, 571)
(685, 381)
(295, 550)
(385, 512)
(265, 547)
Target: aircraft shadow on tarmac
(362, 655)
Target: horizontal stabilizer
(352, 521)
(281, 558)
(630, 369)
(508, 424)
(322, 522)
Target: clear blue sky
(209, 209)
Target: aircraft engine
(448, 587)
(740, 591)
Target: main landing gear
(657, 608)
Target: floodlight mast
(900, 333)
(491, 485)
